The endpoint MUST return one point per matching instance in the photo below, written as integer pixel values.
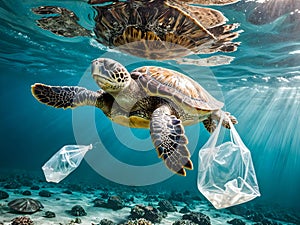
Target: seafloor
(74, 203)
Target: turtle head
(110, 75)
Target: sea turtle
(152, 97)
(156, 29)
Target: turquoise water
(261, 87)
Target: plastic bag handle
(234, 136)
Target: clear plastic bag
(226, 175)
(62, 163)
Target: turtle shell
(177, 87)
(25, 205)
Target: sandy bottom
(60, 203)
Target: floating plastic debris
(226, 176)
(65, 161)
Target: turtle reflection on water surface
(156, 98)
(157, 29)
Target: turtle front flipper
(168, 137)
(64, 96)
(60, 21)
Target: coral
(99, 203)
(77, 220)
(49, 214)
(185, 209)
(115, 202)
(147, 212)
(23, 220)
(77, 210)
(184, 222)
(137, 211)
(106, 222)
(166, 206)
(72, 222)
(140, 221)
(197, 217)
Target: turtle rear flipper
(64, 96)
(168, 137)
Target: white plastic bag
(226, 175)
(62, 163)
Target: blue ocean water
(261, 87)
